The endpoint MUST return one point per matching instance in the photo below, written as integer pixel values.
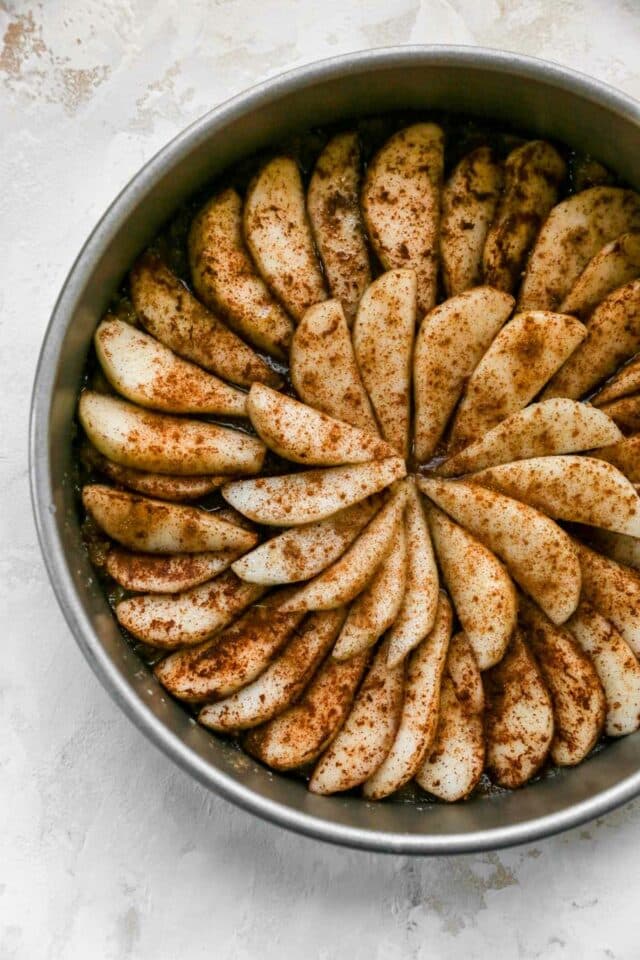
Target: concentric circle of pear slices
(412, 554)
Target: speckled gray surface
(106, 850)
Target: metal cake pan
(537, 97)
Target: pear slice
(226, 280)
(312, 495)
(383, 335)
(625, 382)
(576, 692)
(482, 591)
(143, 370)
(159, 443)
(324, 371)
(625, 412)
(173, 316)
(148, 573)
(519, 717)
(419, 717)
(420, 602)
(547, 428)
(278, 235)
(614, 590)
(529, 543)
(234, 658)
(617, 667)
(401, 205)
(188, 618)
(532, 177)
(613, 336)
(624, 455)
(368, 732)
(155, 526)
(298, 432)
(455, 761)
(158, 485)
(615, 264)
(574, 232)
(618, 546)
(451, 342)
(469, 202)
(463, 668)
(521, 359)
(302, 552)
(303, 731)
(349, 575)
(378, 605)
(333, 205)
(282, 682)
(581, 489)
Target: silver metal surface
(533, 96)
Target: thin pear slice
(226, 280)
(159, 443)
(547, 428)
(617, 667)
(482, 591)
(333, 205)
(324, 370)
(146, 372)
(173, 316)
(625, 412)
(463, 668)
(188, 618)
(532, 177)
(349, 575)
(455, 761)
(312, 495)
(301, 733)
(451, 342)
(302, 552)
(625, 382)
(521, 359)
(614, 590)
(420, 603)
(401, 204)
(378, 605)
(469, 200)
(299, 433)
(519, 717)
(383, 335)
(161, 486)
(147, 573)
(282, 682)
(581, 489)
(613, 336)
(419, 717)
(155, 526)
(619, 547)
(573, 233)
(614, 265)
(368, 732)
(529, 543)
(624, 455)
(576, 692)
(278, 235)
(234, 658)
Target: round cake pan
(532, 96)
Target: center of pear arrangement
(368, 616)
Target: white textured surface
(106, 850)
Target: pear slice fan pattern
(368, 498)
